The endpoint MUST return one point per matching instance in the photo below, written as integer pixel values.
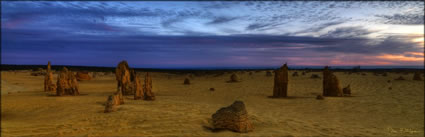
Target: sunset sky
(172, 34)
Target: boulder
(280, 88)
(233, 117)
(331, 86)
(147, 88)
(67, 84)
(49, 85)
(83, 76)
(212, 89)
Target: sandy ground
(184, 110)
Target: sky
(178, 34)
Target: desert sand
(185, 110)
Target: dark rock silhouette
(417, 76)
(186, 81)
(233, 117)
(280, 88)
(212, 89)
(347, 90)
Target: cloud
(405, 19)
(221, 20)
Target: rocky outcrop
(83, 76)
(67, 84)
(417, 76)
(38, 72)
(233, 117)
(122, 75)
(147, 88)
(331, 86)
(48, 80)
(280, 88)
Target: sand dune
(185, 110)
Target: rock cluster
(49, 85)
(67, 84)
(233, 117)
(331, 86)
(417, 76)
(280, 88)
(83, 76)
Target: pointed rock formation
(186, 81)
(67, 84)
(233, 117)
(417, 76)
(83, 76)
(147, 88)
(347, 90)
(280, 88)
(137, 86)
(110, 106)
(331, 86)
(48, 80)
(122, 75)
